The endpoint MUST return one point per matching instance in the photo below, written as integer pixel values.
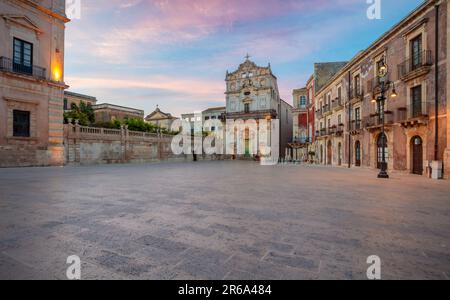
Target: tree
(83, 113)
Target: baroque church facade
(252, 94)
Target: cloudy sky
(175, 53)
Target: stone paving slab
(221, 220)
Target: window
(246, 108)
(66, 104)
(302, 101)
(358, 118)
(23, 57)
(357, 114)
(380, 63)
(206, 118)
(416, 50)
(416, 101)
(339, 119)
(357, 85)
(213, 118)
(339, 92)
(213, 128)
(21, 123)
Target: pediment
(23, 21)
(158, 115)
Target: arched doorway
(329, 153)
(382, 143)
(358, 154)
(340, 154)
(417, 155)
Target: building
(105, 113)
(214, 113)
(160, 119)
(71, 98)
(300, 141)
(303, 145)
(348, 121)
(252, 94)
(32, 82)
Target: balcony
(355, 127)
(375, 121)
(326, 110)
(8, 65)
(414, 114)
(319, 113)
(322, 133)
(356, 95)
(337, 104)
(339, 131)
(416, 66)
(302, 140)
(257, 114)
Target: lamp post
(381, 101)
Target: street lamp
(385, 86)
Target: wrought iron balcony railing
(417, 63)
(6, 64)
(337, 104)
(356, 95)
(356, 125)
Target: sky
(175, 53)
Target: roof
(323, 72)
(379, 41)
(72, 94)
(118, 107)
(215, 109)
(158, 111)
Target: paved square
(221, 220)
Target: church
(252, 94)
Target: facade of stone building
(215, 115)
(305, 149)
(447, 151)
(32, 82)
(348, 120)
(252, 94)
(160, 118)
(106, 112)
(71, 98)
(299, 145)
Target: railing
(302, 140)
(422, 59)
(319, 113)
(115, 134)
(8, 65)
(326, 109)
(339, 130)
(356, 125)
(337, 103)
(356, 94)
(375, 120)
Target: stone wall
(87, 145)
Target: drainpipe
(349, 121)
(436, 103)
